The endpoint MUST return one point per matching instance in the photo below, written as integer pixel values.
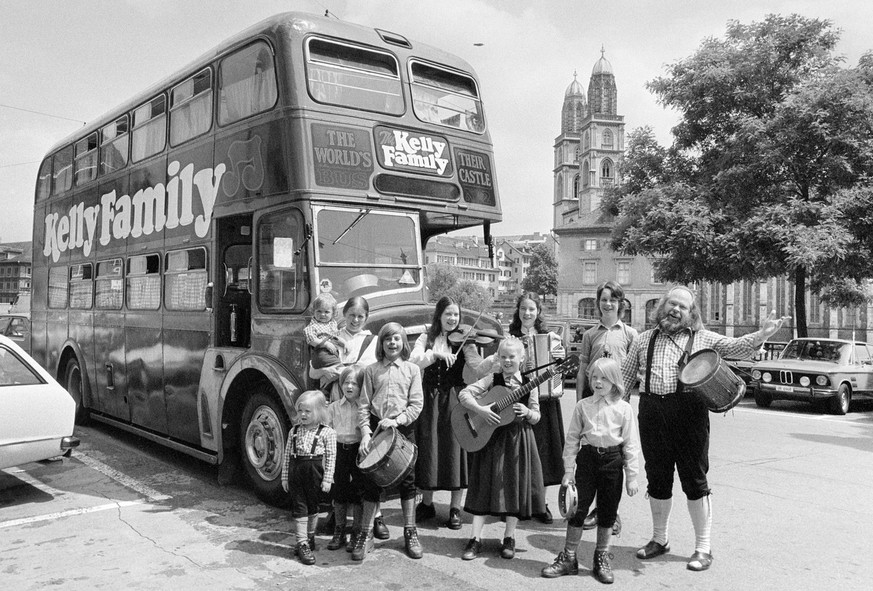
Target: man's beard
(672, 325)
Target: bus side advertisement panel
(254, 162)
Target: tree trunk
(800, 301)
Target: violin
(465, 332)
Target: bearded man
(674, 424)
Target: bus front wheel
(74, 386)
(262, 445)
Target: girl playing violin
(442, 353)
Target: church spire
(602, 94)
(575, 107)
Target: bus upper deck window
(113, 146)
(86, 159)
(149, 129)
(446, 98)
(44, 180)
(191, 107)
(62, 171)
(247, 83)
(350, 76)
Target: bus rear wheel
(73, 385)
(263, 428)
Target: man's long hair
(660, 311)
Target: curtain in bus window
(149, 139)
(248, 84)
(144, 293)
(57, 287)
(109, 294)
(186, 280)
(191, 119)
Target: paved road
(792, 509)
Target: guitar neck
(522, 391)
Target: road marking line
(828, 418)
(123, 479)
(68, 513)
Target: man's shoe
(363, 545)
(616, 527)
(602, 568)
(590, 521)
(472, 549)
(507, 550)
(700, 561)
(380, 530)
(652, 550)
(454, 521)
(424, 512)
(353, 539)
(546, 517)
(338, 540)
(413, 546)
(563, 565)
(304, 553)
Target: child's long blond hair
(319, 404)
(390, 329)
(612, 372)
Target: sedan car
(831, 371)
(17, 328)
(36, 413)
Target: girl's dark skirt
(441, 464)
(549, 433)
(507, 475)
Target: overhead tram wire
(43, 114)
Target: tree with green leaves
(542, 274)
(774, 143)
(443, 280)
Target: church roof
(602, 66)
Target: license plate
(784, 389)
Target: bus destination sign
(343, 157)
(476, 177)
(412, 151)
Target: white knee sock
(660, 518)
(701, 517)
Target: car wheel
(263, 428)
(73, 384)
(839, 404)
(762, 399)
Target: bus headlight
(767, 377)
(821, 380)
(756, 374)
(804, 381)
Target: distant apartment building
(467, 256)
(15, 270)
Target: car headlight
(767, 377)
(821, 380)
(756, 374)
(804, 381)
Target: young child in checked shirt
(310, 457)
(601, 441)
(346, 491)
(391, 396)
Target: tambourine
(567, 500)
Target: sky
(72, 60)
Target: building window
(814, 307)
(587, 308)
(589, 272)
(651, 306)
(589, 244)
(606, 139)
(622, 272)
(606, 169)
(627, 315)
(586, 174)
(716, 300)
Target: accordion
(538, 353)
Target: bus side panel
(186, 339)
(39, 289)
(282, 337)
(81, 331)
(109, 375)
(57, 317)
(254, 160)
(145, 379)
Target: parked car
(17, 328)
(831, 371)
(743, 367)
(36, 413)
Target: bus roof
(271, 27)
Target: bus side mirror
(208, 296)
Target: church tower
(566, 169)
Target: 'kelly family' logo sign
(412, 151)
(151, 209)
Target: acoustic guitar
(473, 431)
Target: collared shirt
(392, 390)
(668, 352)
(601, 422)
(325, 446)
(475, 366)
(343, 417)
(470, 395)
(316, 332)
(606, 341)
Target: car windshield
(362, 251)
(817, 351)
(14, 371)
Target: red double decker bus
(179, 239)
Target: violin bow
(472, 328)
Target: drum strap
(364, 345)
(651, 353)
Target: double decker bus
(179, 239)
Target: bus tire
(73, 384)
(263, 429)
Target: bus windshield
(362, 251)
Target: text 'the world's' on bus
(180, 238)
